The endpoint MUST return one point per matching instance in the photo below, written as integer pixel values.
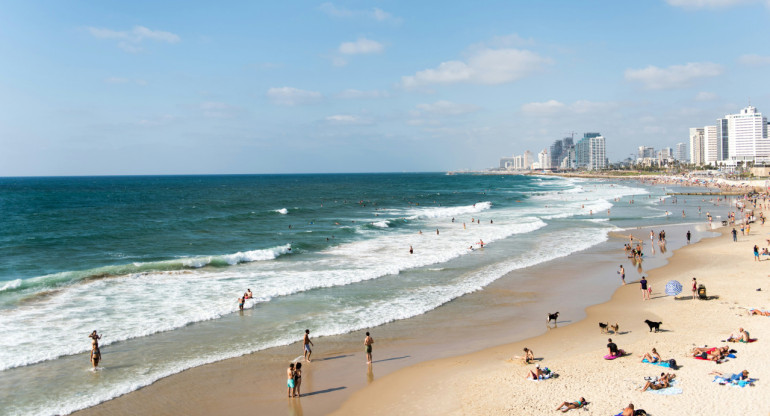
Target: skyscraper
(680, 152)
(590, 152)
(710, 145)
(696, 145)
(747, 132)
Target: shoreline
(248, 382)
(487, 382)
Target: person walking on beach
(688, 236)
(694, 288)
(622, 273)
(368, 341)
(645, 293)
(756, 252)
(735, 235)
(306, 343)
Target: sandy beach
(487, 382)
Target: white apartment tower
(543, 159)
(747, 136)
(710, 145)
(696, 145)
(598, 150)
(680, 152)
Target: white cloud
(754, 60)
(362, 45)
(342, 12)
(676, 76)
(293, 96)
(699, 4)
(130, 40)
(705, 96)
(357, 94)
(485, 66)
(215, 109)
(346, 119)
(445, 108)
(544, 108)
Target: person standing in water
(368, 341)
(96, 354)
(306, 343)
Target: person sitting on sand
(528, 356)
(613, 348)
(535, 374)
(628, 411)
(658, 384)
(567, 406)
(652, 357)
(742, 336)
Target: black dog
(653, 325)
(603, 328)
(552, 317)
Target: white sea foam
(13, 284)
(381, 224)
(282, 211)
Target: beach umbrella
(673, 288)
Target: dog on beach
(653, 325)
(552, 317)
(603, 328)
(615, 328)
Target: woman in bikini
(528, 356)
(653, 357)
(297, 379)
(567, 406)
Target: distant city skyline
(304, 87)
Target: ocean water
(156, 264)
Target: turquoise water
(146, 260)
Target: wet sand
(511, 309)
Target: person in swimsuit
(535, 374)
(290, 379)
(241, 301)
(628, 411)
(645, 293)
(248, 294)
(368, 341)
(528, 356)
(297, 379)
(622, 273)
(567, 406)
(94, 339)
(306, 343)
(653, 357)
(694, 288)
(96, 355)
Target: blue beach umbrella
(673, 288)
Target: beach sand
(422, 365)
(486, 382)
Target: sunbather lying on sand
(567, 406)
(652, 357)
(713, 354)
(759, 312)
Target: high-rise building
(747, 133)
(680, 152)
(543, 159)
(555, 153)
(591, 152)
(645, 151)
(710, 145)
(527, 160)
(723, 139)
(696, 145)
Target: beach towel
(659, 363)
(668, 391)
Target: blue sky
(186, 87)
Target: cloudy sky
(147, 87)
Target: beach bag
(672, 364)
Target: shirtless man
(368, 341)
(248, 294)
(306, 343)
(628, 411)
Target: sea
(156, 263)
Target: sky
(192, 87)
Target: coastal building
(517, 162)
(665, 156)
(591, 152)
(543, 159)
(680, 152)
(645, 151)
(507, 163)
(723, 139)
(559, 150)
(696, 145)
(527, 160)
(747, 137)
(710, 145)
